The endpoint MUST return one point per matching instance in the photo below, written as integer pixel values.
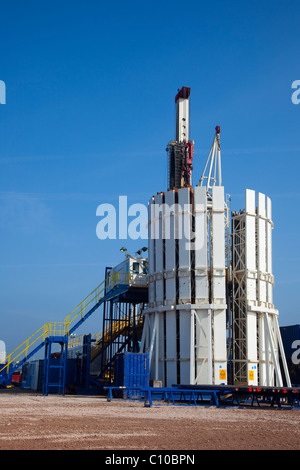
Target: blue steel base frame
(170, 395)
(183, 396)
(60, 366)
(214, 396)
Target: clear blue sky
(89, 112)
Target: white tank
(2, 352)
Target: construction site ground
(31, 421)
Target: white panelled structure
(185, 331)
(218, 290)
(256, 336)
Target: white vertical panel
(218, 285)
(170, 219)
(266, 376)
(184, 259)
(171, 350)
(159, 256)
(202, 316)
(269, 252)
(252, 348)
(185, 334)
(154, 345)
(160, 350)
(201, 255)
(269, 276)
(203, 346)
(264, 356)
(170, 253)
(151, 253)
(250, 269)
(262, 249)
(151, 345)
(250, 246)
(218, 245)
(192, 349)
(219, 347)
(184, 280)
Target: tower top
(184, 93)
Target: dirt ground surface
(31, 421)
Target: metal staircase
(117, 335)
(111, 333)
(114, 285)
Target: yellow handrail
(96, 295)
(117, 327)
(49, 329)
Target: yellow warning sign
(251, 374)
(222, 374)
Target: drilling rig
(210, 317)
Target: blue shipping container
(131, 370)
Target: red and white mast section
(181, 150)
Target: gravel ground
(31, 421)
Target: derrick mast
(180, 151)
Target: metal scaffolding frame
(239, 296)
(256, 341)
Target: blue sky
(90, 90)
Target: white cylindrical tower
(185, 323)
(257, 344)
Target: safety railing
(110, 332)
(63, 328)
(49, 329)
(95, 296)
